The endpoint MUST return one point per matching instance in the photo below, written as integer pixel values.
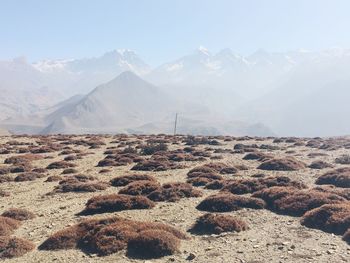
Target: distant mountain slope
(312, 100)
(28, 88)
(123, 102)
(23, 89)
(130, 104)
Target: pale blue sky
(161, 30)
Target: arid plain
(159, 198)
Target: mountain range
(297, 93)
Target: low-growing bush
(12, 247)
(127, 179)
(226, 202)
(216, 224)
(18, 214)
(116, 202)
(110, 235)
(332, 218)
(282, 164)
(338, 177)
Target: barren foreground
(216, 199)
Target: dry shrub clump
(127, 179)
(18, 214)
(54, 178)
(5, 179)
(259, 156)
(20, 159)
(216, 224)
(79, 183)
(151, 148)
(172, 192)
(226, 202)
(61, 165)
(212, 168)
(338, 177)
(205, 174)
(140, 188)
(282, 164)
(30, 176)
(8, 225)
(110, 235)
(295, 202)
(332, 218)
(116, 202)
(11, 247)
(320, 165)
(244, 186)
(153, 243)
(155, 165)
(70, 171)
(343, 192)
(343, 159)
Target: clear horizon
(160, 31)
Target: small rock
(191, 256)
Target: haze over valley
(265, 93)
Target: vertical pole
(175, 124)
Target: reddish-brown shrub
(212, 168)
(5, 179)
(21, 168)
(199, 181)
(70, 171)
(11, 247)
(244, 186)
(226, 202)
(209, 175)
(107, 162)
(343, 159)
(271, 194)
(283, 164)
(127, 179)
(102, 171)
(61, 165)
(152, 165)
(110, 235)
(153, 244)
(72, 236)
(70, 158)
(216, 224)
(333, 218)
(300, 202)
(172, 192)
(20, 159)
(18, 214)
(116, 202)
(343, 192)
(338, 177)
(8, 225)
(89, 186)
(30, 176)
(4, 170)
(259, 156)
(295, 202)
(54, 178)
(320, 165)
(140, 188)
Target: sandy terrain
(271, 237)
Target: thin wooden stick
(175, 124)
